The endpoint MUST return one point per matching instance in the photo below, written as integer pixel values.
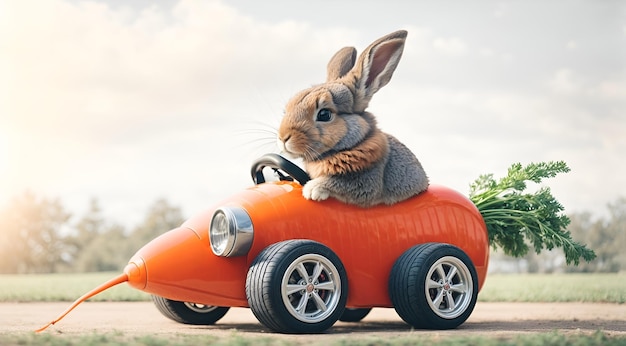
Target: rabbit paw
(315, 190)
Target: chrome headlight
(231, 232)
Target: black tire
(354, 315)
(434, 286)
(276, 286)
(189, 313)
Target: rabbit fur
(347, 156)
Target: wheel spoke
(438, 298)
(433, 284)
(291, 289)
(326, 286)
(302, 304)
(302, 271)
(319, 267)
(460, 288)
(452, 273)
(441, 272)
(450, 301)
(321, 304)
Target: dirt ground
(504, 319)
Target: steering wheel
(277, 163)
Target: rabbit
(342, 149)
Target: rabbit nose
(281, 144)
(286, 144)
(285, 141)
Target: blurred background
(119, 119)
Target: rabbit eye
(324, 115)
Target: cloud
(90, 85)
(450, 46)
(500, 11)
(565, 81)
(129, 102)
(91, 67)
(82, 63)
(612, 89)
(572, 45)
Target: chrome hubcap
(449, 287)
(311, 288)
(200, 308)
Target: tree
(105, 252)
(606, 236)
(96, 244)
(91, 224)
(617, 232)
(32, 240)
(161, 217)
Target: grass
(555, 288)
(547, 339)
(605, 288)
(63, 287)
(592, 288)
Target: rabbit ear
(376, 65)
(340, 64)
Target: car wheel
(297, 286)
(434, 286)
(354, 315)
(189, 313)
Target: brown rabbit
(347, 156)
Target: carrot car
(301, 265)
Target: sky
(131, 101)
